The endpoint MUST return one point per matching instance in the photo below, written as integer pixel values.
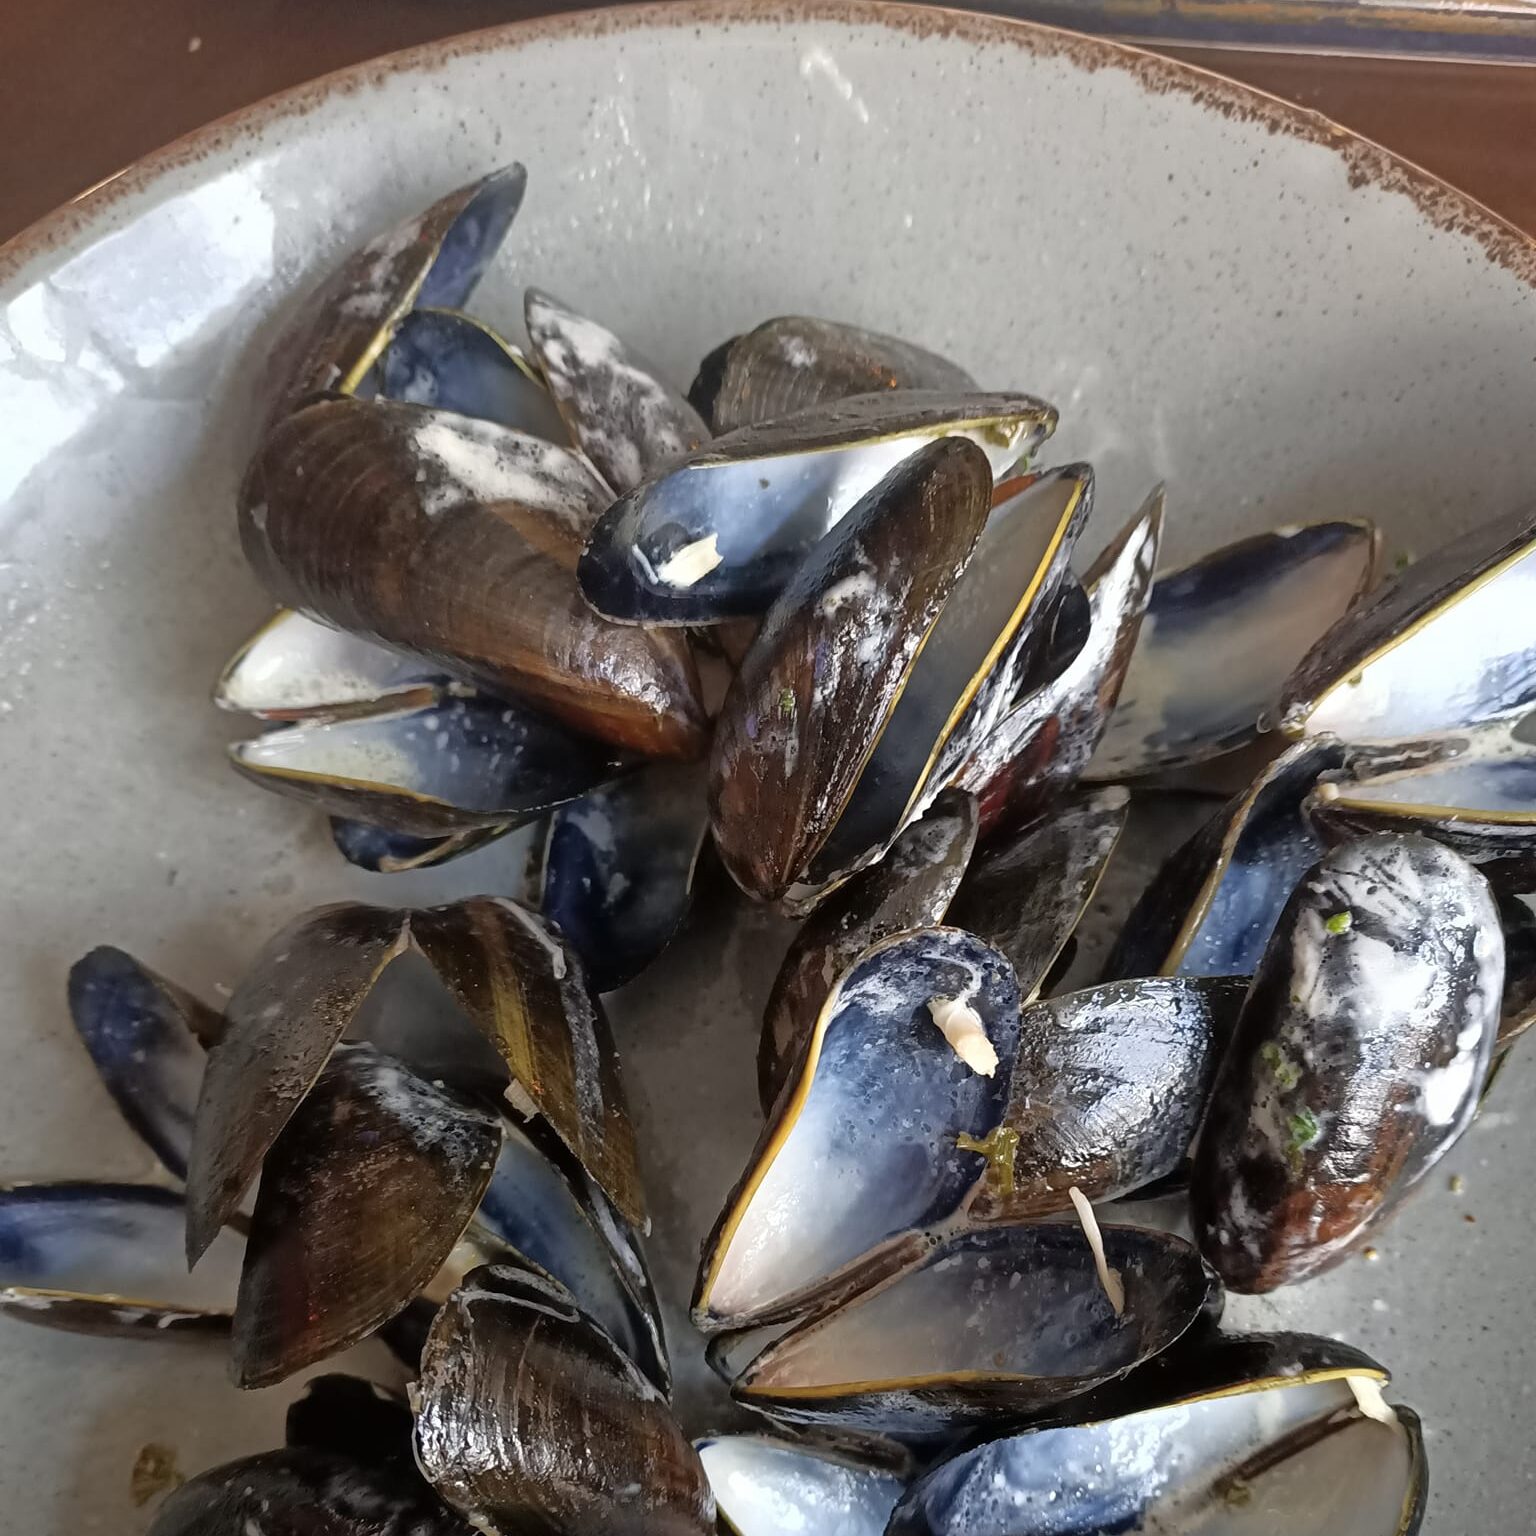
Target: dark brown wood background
(87, 86)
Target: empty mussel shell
(1109, 1089)
(718, 536)
(435, 259)
(453, 362)
(912, 1050)
(766, 1486)
(1046, 738)
(1249, 1435)
(106, 1258)
(411, 527)
(450, 765)
(305, 1492)
(1358, 1058)
(363, 1196)
(911, 887)
(1222, 635)
(1214, 904)
(519, 987)
(295, 668)
(146, 1037)
(627, 422)
(618, 866)
(529, 1418)
(983, 1327)
(1443, 646)
(1025, 894)
(835, 654)
(793, 362)
(382, 852)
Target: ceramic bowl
(1218, 290)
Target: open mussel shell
(794, 362)
(1047, 737)
(1222, 635)
(440, 768)
(1025, 894)
(434, 259)
(1357, 1062)
(618, 867)
(1443, 646)
(1478, 797)
(982, 1327)
(766, 1486)
(627, 421)
(1109, 1089)
(828, 669)
(363, 1196)
(911, 887)
(411, 527)
(146, 1037)
(305, 1492)
(106, 1258)
(518, 987)
(541, 1204)
(1250, 1435)
(861, 1150)
(453, 362)
(295, 668)
(991, 627)
(719, 536)
(382, 852)
(1213, 905)
(529, 1418)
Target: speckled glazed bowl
(1216, 289)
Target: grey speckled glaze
(1219, 291)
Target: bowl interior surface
(1216, 290)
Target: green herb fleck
(1304, 1129)
(999, 1147)
(787, 704)
(1404, 560)
(1355, 679)
(1284, 1072)
(1340, 922)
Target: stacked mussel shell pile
(508, 576)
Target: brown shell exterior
(818, 684)
(335, 520)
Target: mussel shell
(146, 1037)
(1442, 646)
(1044, 742)
(1513, 883)
(363, 1196)
(304, 1492)
(618, 869)
(453, 362)
(825, 674)
(1025, 895)
(1357, 1061)
(983, 1327)
(911, 887)
(106, 1258)
(627, 422)
(530, 1418)
(793, 362)
(860, 1153)
(296, 668)
(1214, 904)
(766, 495)
(766, 1486)
(412, 527)
(435, 258)
(382, 852)
(448, 766)
(1109, 1089)
(1227, 1429)
(1222, 635)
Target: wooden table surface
(87, 86)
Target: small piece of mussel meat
(1358, 1060)
(529, 1418)
(767, 1486)
(1248, 1435)
(794, 362)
